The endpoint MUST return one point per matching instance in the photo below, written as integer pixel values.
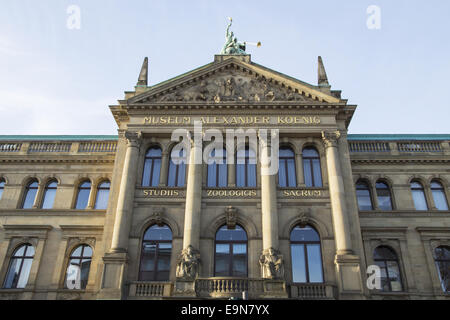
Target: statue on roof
(232, 46)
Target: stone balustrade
(59, 147)
(399, 147)
(150, 289)
(228, 287)
(312, 291)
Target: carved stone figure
(272, 264)
(188, 264)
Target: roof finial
(143, 75)
(322, 75)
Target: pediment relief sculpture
(231, 86)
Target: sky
(59, 75)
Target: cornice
(403, 160)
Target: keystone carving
(231, 216)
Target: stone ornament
(231, 216)
(188, 264)
(272, 264)
(133, 138)
(330, 138)
(157, 216)
(232, 86)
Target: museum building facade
(116, 217)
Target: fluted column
(337, 193)
(164, 169)
(193, 197)
(126, 194)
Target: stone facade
(230, 92)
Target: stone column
(193, 197)
(348, 265)
(337, 193)
(164, 169)
(299, 170)
(126, 194)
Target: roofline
(350, 137)
(397, 137)
(58, 137)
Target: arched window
(440, 200)
(442, 260)
(217, 168)
(246, 168)
(177, 169)
(84, 190)
(383, 196)
(418, 194)
(30, 194)
(77, 273)
(49, 194)
(311, 167)
(19, 267)
(101, 202)
(2, 187)
(363, 196)
(152, 167)
(155, 254)
(286, 168)
(387, 260)
(231, 252)
(306, 255)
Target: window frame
(177, 170)
(388, 188)
(305, 253)
(2, 187)
(385, 260)
(46, 189)
(156, 256)
(367, 184)
(217, 168)
(422, 189)
(99, 187)
(152, 167)
(22, 260)
(309, 159)
(284, 160)
(246, 165)
(78, 189)
(436, 261)
(80, 258)
(231, 254)
(27, 190)
(441, 189)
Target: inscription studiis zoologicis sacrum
(230, 193)
(233, 120)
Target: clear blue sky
(54, 80)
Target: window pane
(438, 192)
(87, 252)
(282, 173)
(181, 175)
(304, 234)
(172, 174)
(363, 196)
(24, 273)
(298, 263)
(307, 172)
(292, 178)
(314, 263)
(148, 257)
(237, 234)
(83, 195)
(317, 173)
(156, 172)
(156, 233)
(251, 175)
(30, 196)
(444, 274)
(394, 276)
(85, 267)
(13, 274)
(49, 196)
(147, 171)
(420, 203)
(239, 260)
(2, 187)
(30, 251)
(223, 175)
(384, 253)
(212, 175)
(222, 260)
(240, 175)
(102, 196)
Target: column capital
(330, 138)
(134, 139)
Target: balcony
(312, 291)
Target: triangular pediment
(232, 80)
